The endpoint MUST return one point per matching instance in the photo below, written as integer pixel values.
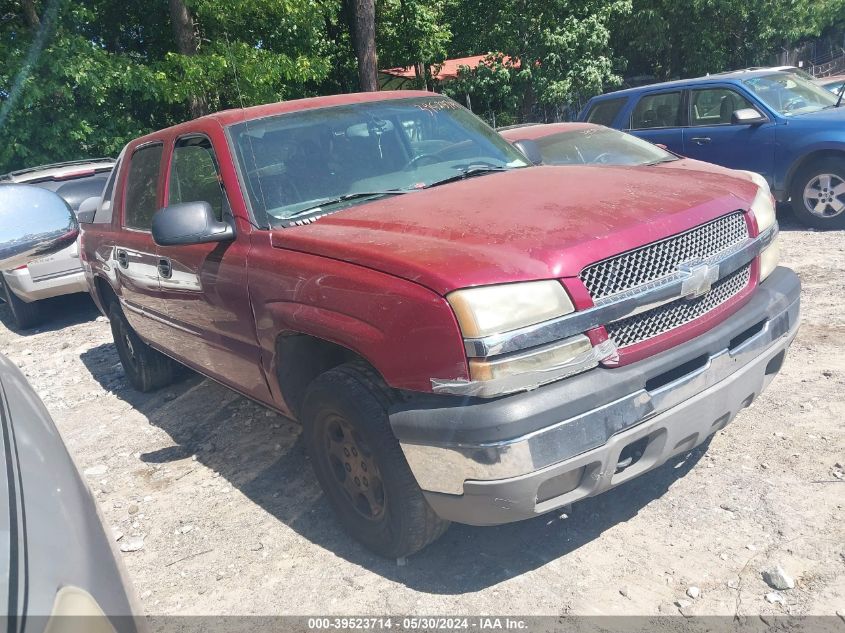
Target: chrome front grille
(656, 321)
(660, 259)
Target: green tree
(83, 78)
(546, 52)
(669, 39)
(412, 33)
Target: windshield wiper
(325, 202)
(471, 170)
(839, 100)
(668, 159)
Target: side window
(604, 112)
(104, 210)
(141, 187)
(194, 174)
(657, 110)
(715, 106)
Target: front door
(712, 137)
(204, 286)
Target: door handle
(122, 258)
(701, 140)
(165, 268)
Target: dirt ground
(233, 522)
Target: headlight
(567, 353)
(496, 309)
(763, 209)
(769, 258)
(756, 178)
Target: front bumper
(28, 289)
(487, 462)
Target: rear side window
(604, 112)
(195, 176)
(141, 187)
(657, 110)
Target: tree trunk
(30, 14)
(187, 43)
(364, 40)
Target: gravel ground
(233, 522)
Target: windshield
(599, 146)
(789, 94)
(305, 162)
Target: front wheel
(818, 194)
(146, 369)
(360, 464)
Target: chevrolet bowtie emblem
(700, 279)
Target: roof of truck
(236, 115)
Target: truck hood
(526, 224)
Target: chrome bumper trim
(527, 380)
(686, 282)
(444, 468)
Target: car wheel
(360, 465)
(146, 368)
(818, 194)
(25, 315)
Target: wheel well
(300, 358)
(808, 159)
(105, 293)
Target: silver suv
(60, 273)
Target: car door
(204, 286)
(712, 137)
(658, 117)
(133, 257)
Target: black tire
(25, 315)
(804, 177)
(146, 369)
(355, 396)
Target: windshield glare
(292, 162)
(599, 146)
(789, 94)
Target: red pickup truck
(464, 335)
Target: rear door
(713, 138)
(133, 256)
(204, 286)
(659, 117)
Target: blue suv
(772, 122)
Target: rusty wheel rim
(354, 468)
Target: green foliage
(547, 52)
(669, 39)
(411, 32)
(96, 73)
(109, 72)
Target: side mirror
(530, 149)
(748, 116)
(34, 222)
(189, 223)
(87, 210)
